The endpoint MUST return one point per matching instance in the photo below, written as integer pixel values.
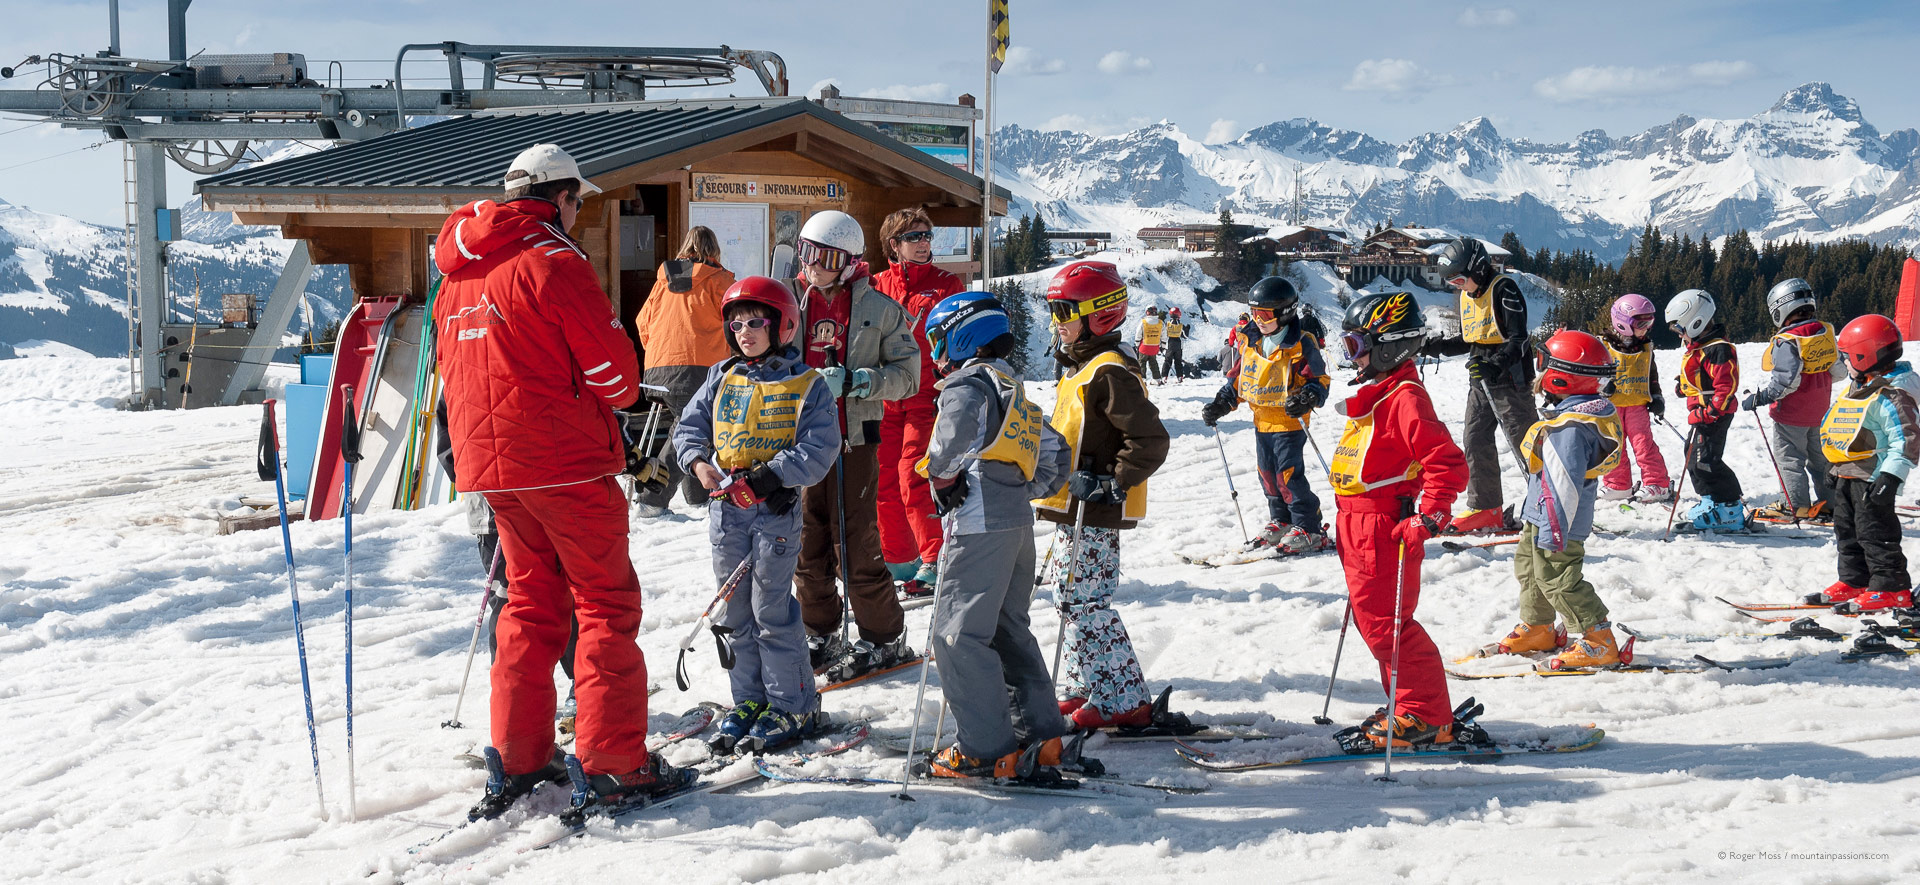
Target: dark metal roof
(472, 152)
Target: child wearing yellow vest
(991, 452)
(761, 428)
(1871, 438)
(1638, 400)
(1153, 333)
(1567, 451)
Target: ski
(1774, 606)
(1459, 546)
(1244, 557)
(690, 723)
(1699, 664)
(785, 775)
(870, 676)
(1799, 628)
(1586, 738)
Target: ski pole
(1777, 473)
(349, 456)
(1676, 431)
(1393, 671)
(1486, 390)
(1073, 568)
(1228, 470)
(840, 509)
(269, 467)
(727, 588)
(486, 595)
(1685, 469)
(920, 696)
(1324, 466)
(1338, 647)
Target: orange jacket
(534, 360)
(685, 328)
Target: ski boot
(1595, 649)
(1269, 537)
(921, 584)
(1522, 639)
(1836, 593)
(1777, 512)
(1815, 513)
(953, 763)
(778, 728)
(1409, 731)
(825, 652)
(610, 792)
(1067, 754)
(1154, 719)
(1299, 542)
(503, 788)
(1700, 510)
(902, 572)
(865, 657)
(1875, 600)
(1068, 705)
(1654, 495)
(736, 726)
(1608, 493)
(1487, 520)
(1464, 730)
(1089, 718)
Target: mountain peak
(1815, 97)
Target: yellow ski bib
(1069, 417)
(755, 420)
(1017, 442)
(1818, 352)
(1632, 377)
(1150, 332)
(1350, 454)
(1477, 323)
(1265, 382)
(1175, 330)
(1609, 428)
(1843, 433)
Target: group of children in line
(762, 428)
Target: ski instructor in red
(1394, 448)
(535, 365)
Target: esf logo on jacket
(465, 322)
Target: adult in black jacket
(1493, 327)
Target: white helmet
(1786, 297)
(835, 230)
(1691, 312)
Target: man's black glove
(1658, 406)
(948, 498)
(1885, 487)
(1095, 488)
(1218, 407)
(1302, 402)
(1481, 370)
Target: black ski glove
(1303, 401)
(949, 497)
(1481, 370)
(1658, 406)
(1217, 408)
(1095, 488)
(1885, 488)
(1753, 401)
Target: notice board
(742, 229)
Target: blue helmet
(963, 323)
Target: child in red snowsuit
(1394, 448)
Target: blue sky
(1543, 71)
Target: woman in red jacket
(1394, 448)
(909, 530)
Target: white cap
(546, 162)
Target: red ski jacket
(533, 358)
(1709, 379)
(1405, 431)
(918, 287)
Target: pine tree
(1039, 248)
(1227, 250)
(1019, 307)
(1510, 241)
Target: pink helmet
(1632, 316)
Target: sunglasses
(826, 258)
(918, 236)
(755, 323)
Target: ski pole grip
(268, 453)
(349, 431)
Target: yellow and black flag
(996, 34)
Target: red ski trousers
(566, 554)
(1367, 553)
(908, 526)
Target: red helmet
(1091, 289)
(1574, 362)
(1870, 343)
(770, 292)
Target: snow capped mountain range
(1809, 167)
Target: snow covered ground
(150, 699)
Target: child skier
(761, 428)
(1394, 448)
(1708, 378)
(1152, 333)
(1638, 400)
(1175, 364)
(1576, 441)
(1872, 440)
(1279, 373)
(992, 451)
(1117, 441)
(1801, 361)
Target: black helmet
(1277, 295)
(1389, 326)
(1465, 257)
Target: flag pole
(996, 20)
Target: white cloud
(1496, 17)
(1260, 67)
(1121, 61)
(902, 92)
(814, 90)
(1394, 76)
(1222, 131)
(1607, 83)
(1023, 60)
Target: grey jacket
(972, 404)
(816, 439)
(879, 337)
